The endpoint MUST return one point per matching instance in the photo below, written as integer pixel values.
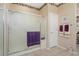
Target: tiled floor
(56, 51)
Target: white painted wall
(19, 25)
(52, 29)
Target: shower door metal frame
(3, 33)
(5, 18)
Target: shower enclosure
(14, 26)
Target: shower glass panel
(18, 25)
(14, 26)
(1, 32)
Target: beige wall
(48, 8)
(78, 9)
(44, 10)
(77, 18)
(20, 8)
(68, 11)
(52, 8)
(1, 5)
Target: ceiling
(36, 5)
(39, 5)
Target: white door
(1, 33)
(52, 29)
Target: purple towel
(33, 38)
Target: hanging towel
(33, 38)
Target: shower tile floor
(56, 51)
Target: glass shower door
(19, 24)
